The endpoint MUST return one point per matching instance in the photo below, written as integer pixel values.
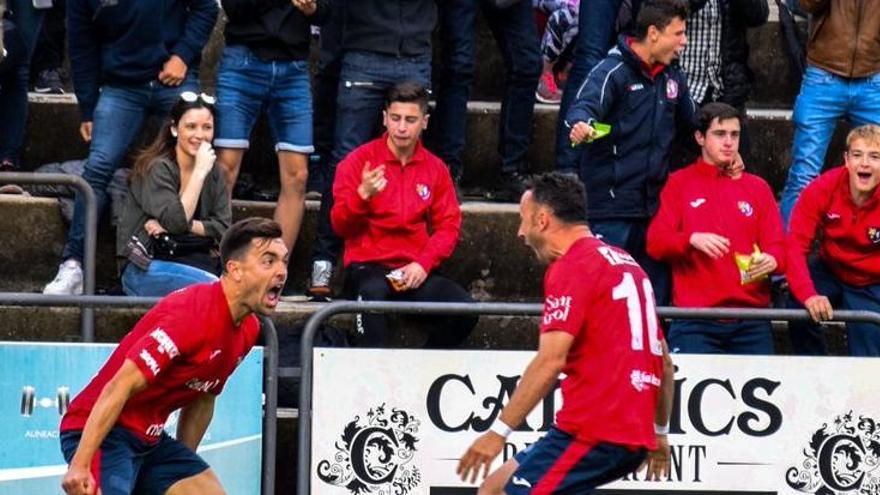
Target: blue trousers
(721, 337)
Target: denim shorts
(247, 86)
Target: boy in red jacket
(722, 236)
(841, 208)
(397, 212)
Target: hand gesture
(78, 481)
(657, 462)
(173, 71)
(205, 158)
(414, 275)
(713, 245)
(480, 455)
(762, 264)
(819, 308)
(373, 181)
(85, 130)
(153, 227)
(580, 132)
(735, 168)
(307, 7)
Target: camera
(166, 244)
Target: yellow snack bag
(744, 262)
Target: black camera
(165, 244)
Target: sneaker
(547, 91)
(68, 281)
(322, 274)
(508, 189)
(49, 83)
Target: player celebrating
(179, 355)
(603, 335)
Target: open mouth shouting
(273, 295)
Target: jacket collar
(387, 156)
(624, 48)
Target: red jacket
(699, 198)
(850, 235)
(415, 218)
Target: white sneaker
(68, 281)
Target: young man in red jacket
(707, 219)
(842, 208)
(397, 213)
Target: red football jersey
(600, 295)
(185, 346)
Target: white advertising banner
(397, 421)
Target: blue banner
(38, 380)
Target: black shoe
(49, 83)
(508, 189)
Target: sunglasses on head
(191, 97)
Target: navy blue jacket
(624, 171)
(124, 42)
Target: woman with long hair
(177, 208)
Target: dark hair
(563, 193)
(163, 145)
(715, 110)
(237, 239)
(408, 92)
(658, 13)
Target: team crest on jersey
(745, 208)
(374, 454)
(423, 191)
(672, 89)
(874, 235)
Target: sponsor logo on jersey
(745, 208)
(831, 216)
(203, 385)
(671, 89)
(154, 430)
(556, 309)
(521, 482)
(874, 235)
(641, 380)
(150, 361)
(166, 345)
(698, 202)
(636, 87)
(423, 191)
(215, 353)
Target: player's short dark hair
(237, 239)
(564, 194)
(716, 110)
(658, 13)
(408, 92)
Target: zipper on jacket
(852, 60)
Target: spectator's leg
(448, 127)
(596, 31)
(863, 338)
(49, 51)
(514, 29)
(696, 337)
(290, 115)
(657, 271)
(751, 337)
(367, 282)
(14, 83)
(807, 338)
(864, 106)
(118, 117)
(446, 332)
(162, 278)
(823, 99)
(614, 232)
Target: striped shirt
(701, 59)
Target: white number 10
(627, 290)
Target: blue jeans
(863, 338)
(514, 30)
(14, 78)
(364, 80)
(721, 337)
(630, 235)
(596, 33)
(246, 85)
(824, 98)
(118, 117)
(162, 278)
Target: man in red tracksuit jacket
(706, 220)
(842, 208)
(396, 210)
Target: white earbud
(173, 133)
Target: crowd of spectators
(634, 81)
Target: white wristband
(661, 429)
(501, 428)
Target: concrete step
(53, 136)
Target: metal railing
(270, 363)
(481, 309)
(91, 233)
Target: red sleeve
(771, 238)
(167, 340)
(445, 222)
(802, 225)
(666, 239)
(565, 302)
(349, 209)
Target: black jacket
(737, 77)
(624, 171)
(400, 28)
(273, 29)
